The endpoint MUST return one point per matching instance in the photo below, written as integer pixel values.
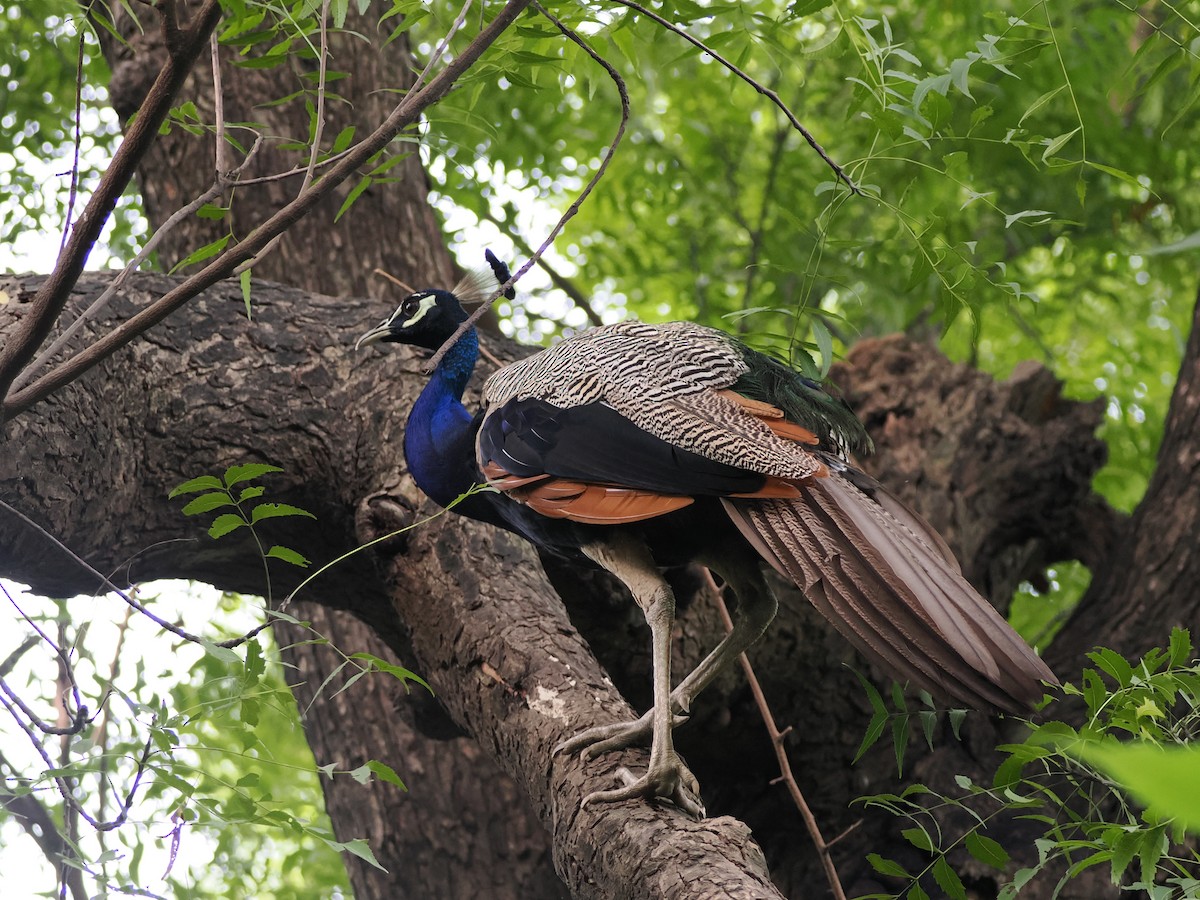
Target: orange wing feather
(601, 504)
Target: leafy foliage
(228, 778)
(1028, 190)
(1119, 791)
(41, 46)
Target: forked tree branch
(571, 210)
(404, 115)
(50, 299)
(757, 85)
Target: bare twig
(12, 658)
(104, 580)
(405, 114)
(443, 44)
(560, 281)
(100, 735)
(39, 825)
(404, 286)
(48, 303)
(572, 209)
(222, 152)
(785, 767)
(318, 132)
(63, 660)
(758, 86)
(78, 140)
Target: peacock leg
(756, 608)
(667, 776)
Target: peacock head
(424, 319)
(427, 318)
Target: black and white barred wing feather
(632, 421)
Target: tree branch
(39, 825)
(405, 114)
(571, 210)
(50, 299)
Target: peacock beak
(376, 334)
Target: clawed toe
(672, 781)
(592, 742)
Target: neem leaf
(195, 485)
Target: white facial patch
(427, 301)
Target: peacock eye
(410, 306)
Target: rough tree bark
(208, 388)
(1001, 468)
(405, 242)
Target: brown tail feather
(869, 567)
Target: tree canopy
(1016, 182)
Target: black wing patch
(596, 444)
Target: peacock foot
(668, 780)
(591, 742)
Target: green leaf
(386, 773)
(1180, 650)
(256, 663)
(1165, 779)
(1059, 142)
(362, 850)
(342, 141)
(919, 838)
(1114, 664)
(251, 493)
(1124, 849)
(275, 511)
(203, 483)
(247, 472)
(210, 211)
(364, 183)
(224, 654)
(388, 668)
(339, 8)
(879, 718)
(205, 252)
(887, 866)
(207, 503)
(948, 880)
(824, 344)
(1040, 102)
(224, 524)
(289, 556)
(1026, 214)
(986, 850)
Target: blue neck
(439, 437)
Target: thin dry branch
(39, 824)
(757, 85)
(405, 114)
(107, 583)
(50, 299)
(572, 209)
(785, 766)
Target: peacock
(638, 447)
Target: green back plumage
(803, 401)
